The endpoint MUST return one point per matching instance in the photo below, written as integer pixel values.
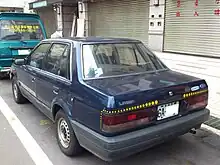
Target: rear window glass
(104, 60)
(20, 30)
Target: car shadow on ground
(188, 149)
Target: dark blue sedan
(111, 96)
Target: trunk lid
(136, 89)
(150, 94)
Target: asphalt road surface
(200, 149)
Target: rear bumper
(5, 69)
(117, 147)
(8, 62)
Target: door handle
(55, 90)
(33, 79)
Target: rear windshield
(104, 60)
(20, 30)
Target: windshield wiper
(11, 37)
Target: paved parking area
(200, 149)
(11, 150)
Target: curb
(213, 130)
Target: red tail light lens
(197, 102)
(132, 117)
(116, 123)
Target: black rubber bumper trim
(117, 147)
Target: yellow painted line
(45, 122)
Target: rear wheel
(17, 95)
(66, 137)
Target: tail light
(116, 123)
(197, 102)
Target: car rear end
(133, 128)
(19, 34)
(155, 106)
(143, 108)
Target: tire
(69, 146)
(17, 95)
(2, 76)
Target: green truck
(19, 33)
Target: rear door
(54, 75)
(27, 73)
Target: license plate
(168, 110)
(23, 52)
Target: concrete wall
(156, 25)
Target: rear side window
(57, 61)
(36, 58)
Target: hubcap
(63, 133)
(15, 90)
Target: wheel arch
(60, 105)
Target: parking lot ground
(200, 149)
(12, 151)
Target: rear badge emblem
(202, 86)
(195, 88)
(171, 93)
(126, 102)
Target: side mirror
(19, 61)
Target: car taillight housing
(197, 101)
(119, 122)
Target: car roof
(95, 39)
(14, 14)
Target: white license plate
(23, 52)
(168, 110)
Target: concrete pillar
(59, 16)
(83, 21)
(156, 25)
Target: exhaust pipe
(192, 131)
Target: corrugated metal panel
(119, 18)
(192, 34)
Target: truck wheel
(1, 76)
(17, 95)
(66, 137)
(4, 76)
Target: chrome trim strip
(6, 69)
(28, 89)
(58, 40)
(46, 73)
(71, 61)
